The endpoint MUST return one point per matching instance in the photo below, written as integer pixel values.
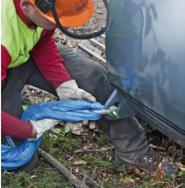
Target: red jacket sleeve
(5, 61)
(12, 126)
(49, 61)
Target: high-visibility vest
(16, 37)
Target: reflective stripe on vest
(17, 38)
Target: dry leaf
(80, 162)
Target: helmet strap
(45, 5)
(49, 5)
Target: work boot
(132, 148)
(31, 165)
(151, 163)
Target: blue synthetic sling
(68, 111)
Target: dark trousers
(127, 135)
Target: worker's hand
(70, 90)
(41, 126)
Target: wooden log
(94, 54)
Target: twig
(180, 166)
(162, 182)
(63, 170)
(157, 147)
(89, 51)
(94, 150)
(178, 186)
(17, 179)
(28, 181)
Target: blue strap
(13, 158)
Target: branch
(87, 150)
(63, 170)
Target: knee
(101, 84)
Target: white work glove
(41, 126)
(70, 90)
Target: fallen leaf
(129, 181)
(80, 162)
(92, 125)
(180, 166)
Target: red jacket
(50, 64)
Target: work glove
(70, 90)
(41, 126)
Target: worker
(30, 56)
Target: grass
(42, 177)
(98, 171)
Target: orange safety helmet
(71, 13)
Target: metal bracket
(117, 99)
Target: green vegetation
(96, 167)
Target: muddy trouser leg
(131, 145)
(127, 135)
(11, 94)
